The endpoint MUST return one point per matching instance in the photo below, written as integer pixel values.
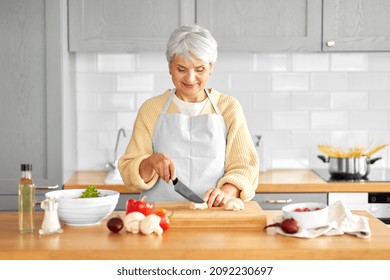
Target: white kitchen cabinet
(125, 25)
(262, 25)
(356, 25)
(238, 25)
(275, 201)
(32, 110)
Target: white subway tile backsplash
(222, 82)
(349, 101)
(379, 61)
(348, 138)
(368, 120)
(271, 62)
(298, 159)
(310, 62)
(86, 62)
(290, 81)
(141, 98)
(152, 62)
(245, 99)
(250, 81)
(328, 81)
(95, 82)
(310, 101)
(291, 120)
(116, 62)
(368, 81)
(116, 102)
(349, 62)
(87, 140)
(294, 100)
(276, 139)
(126, 120)
(135, 82)
(272, 101)
(308, 138)
(379, 100)
(234, 62)
(162, 82)
(86, 102)
(95, 120)
(258, 121)
(329, 120)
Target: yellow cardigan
(241, 165)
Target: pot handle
(372, 161)
(323, 158)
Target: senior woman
(196, 134)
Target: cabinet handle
(278, 201)
(330, 44)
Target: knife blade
(186, 192)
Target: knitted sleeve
(242, 162)
(140, 145)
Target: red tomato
(318, 208)
(144, 207)
(298, 210)
(306, 209)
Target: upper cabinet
(237, 25)
(125, 25)
(262, 25)
(356, 25)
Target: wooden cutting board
(216, 217)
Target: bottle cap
(26, 167)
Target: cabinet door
(125, 25)
(262, 25)
(30, 106)
(356, 25)
(275, 201)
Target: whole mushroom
(132, 221)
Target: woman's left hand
(217, 197)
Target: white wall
(295, 100)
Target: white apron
(197, 146)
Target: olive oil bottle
(26, 203)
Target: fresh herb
(91, 191)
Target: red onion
(289, 225)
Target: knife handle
(175, 181)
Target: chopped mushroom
(234, 204)
(198, 206)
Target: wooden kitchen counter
(96, 242)
(271, 181)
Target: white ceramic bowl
(309, 219)
(76, 211)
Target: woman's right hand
(158, 163)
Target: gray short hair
(191, 40)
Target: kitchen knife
(186, 192)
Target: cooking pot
(351, 168)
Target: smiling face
(190, 78)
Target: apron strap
(170, 98)
(216, 109)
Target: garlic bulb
(132, 221)
(234, 204)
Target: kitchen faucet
(113, 165)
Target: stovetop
(375, 175)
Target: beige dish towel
(340, 221)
